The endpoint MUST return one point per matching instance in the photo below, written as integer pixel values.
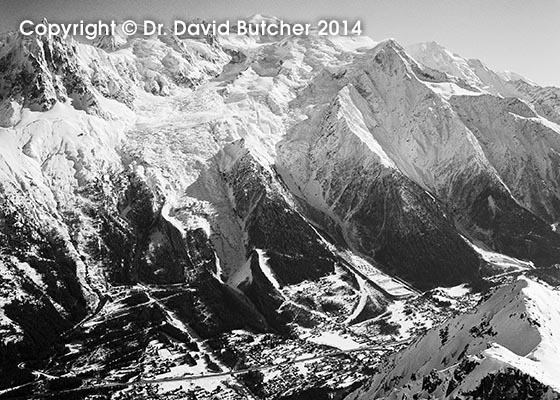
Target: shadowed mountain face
(167, 193)
(382, 213)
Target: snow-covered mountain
(480, 76)
(504, 349)
(164, 198)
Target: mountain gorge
(180, 206)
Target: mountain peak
(259, 18)
(472, 71)
(388, 43)
(113, 41)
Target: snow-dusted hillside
(507, 348)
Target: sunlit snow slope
(506, 348)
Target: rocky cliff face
(169, 191)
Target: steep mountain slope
(380, 211)
(527, 161)
(387, 109)
(90, 205)
(65, 241)
(506, 348)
